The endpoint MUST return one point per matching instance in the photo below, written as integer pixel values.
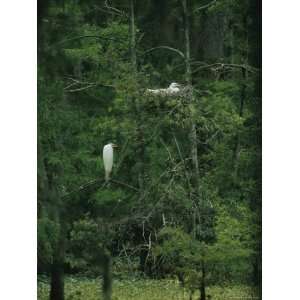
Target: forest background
(185, 197)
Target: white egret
(173, 89)
(108, 158)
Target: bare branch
(128, 258)
(124, 184)
(206, 5)
(81, 89)
(115, 10)
(183, 163)
(98, 181)
(83, 85)
(73, 79)
(163, 143)
(70, 85)
(103, 10)
(220, 66)
(140, 38)
(84, 187)
(166, 48)
(196, 62)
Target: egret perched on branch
(108, 158)
(172, 90)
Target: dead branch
(81, 89)
(206, 6)
(167, 149)
(98, 181)
(115, 10)
(83, 85)
(221, 66)
(125, 184)
(166, 48)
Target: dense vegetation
(184, 201)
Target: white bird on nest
(108, 158)
(173, 89)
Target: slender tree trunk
(56, 215)
(242, 104)
(188, 78)
(57, 281)
(57, 268)
(42, 181)
(136, 107)
(140, 141)
(238, 137)
(202, 284)
(132, 36)
(193, 131)
(107, 277)
(231, 41)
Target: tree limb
(166, 48)
(124, 184)
(206, 5)
(81, 89)
(221, 66)
(83, 85)
(95, 181)
(113, 9)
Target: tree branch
(166, 48)
(83, 187)
(221, 66)
(95, 181)
(81, 89)
(114, 10)
(83, 85)
(124, 184)
(206, 5)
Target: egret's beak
(114, 146)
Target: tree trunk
(132, 36)
(242, 103)
(238, 137)
(42, 180)
(56, 215)
(107, 278)
(136, 107)
(231, 42)
(57, 269)
(193, 131)
(140, 142)
(188, 79)
(57, 281)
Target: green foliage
(230, 257)
(179, 254)
(47, 237)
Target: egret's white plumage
(173, 89)
(108, 158)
